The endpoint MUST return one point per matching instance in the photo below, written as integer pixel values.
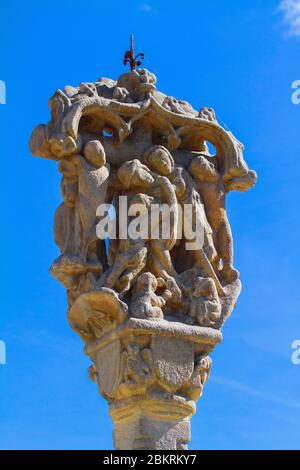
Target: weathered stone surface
(173, 361)
(108, 365)
(143, 431)
(149, 308)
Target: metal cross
(130, 58)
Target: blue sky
(238, 57)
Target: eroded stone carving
(145, 302)
(149, 309)
(136, 365)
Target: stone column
(149, 309)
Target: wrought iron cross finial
(130, 58)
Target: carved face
(204, 287)
(64, 145)
(94, 153)
(161, 162)
(202, 169)
(134, 174)
(147, 281)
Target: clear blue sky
(234, 56)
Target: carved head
(202, 169)
(39, 144)
(134, 174)
(63, 145)
(204, 368)
(94, 153)
(204, 287)
(159, 160)
(146, 282)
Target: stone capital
(152, 374)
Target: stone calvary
(148, 310)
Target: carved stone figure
(150, 297)
(145, 303)
(212, 188)
(136, 365)
(205, 307)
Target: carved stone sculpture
(149, 308)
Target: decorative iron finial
(130, 58)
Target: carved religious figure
(149, 306)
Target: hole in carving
(107, 132)
(211, 148)
(106, 244)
